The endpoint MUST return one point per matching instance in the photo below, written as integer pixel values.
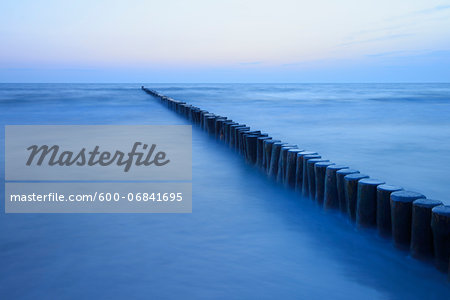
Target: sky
(225, 41)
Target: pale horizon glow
(225, 41)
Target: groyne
(413, 222)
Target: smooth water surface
(399, 133)
(246, 238)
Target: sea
(247, 237)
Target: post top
(295, 150)
(316, 160)
(324, 164)
(442, 210)
(337, 167)
(311, 156)
(389, 188)
(355, 176)
(405, 196)
(304, 153)
(371, 181)
(271, 141)
(347, 171)
(427, 202)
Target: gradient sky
(225, 41)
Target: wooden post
(351, 192)
(384, 224)
(331, 200)
(401, 214)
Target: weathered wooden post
(243, 141)
(233, 131)
(351, 192)
(366, 202)
(401, 214)
(282, 162)
(310, 164)
(218, 127)
(274, 158)
(421, 232)
(331, 200)
(205, 120)
(291, 167)
(267, 154)
(237, 137)
(320, 170)
(299, 169)
(340, 181)
(210, 127)
(251, 148)
(306, 181)
(384, 224)
(440, 223)
(226, 131)
(260, 149)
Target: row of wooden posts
(415, 224)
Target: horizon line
(305, 82)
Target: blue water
(399, 133)
(246, 238)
